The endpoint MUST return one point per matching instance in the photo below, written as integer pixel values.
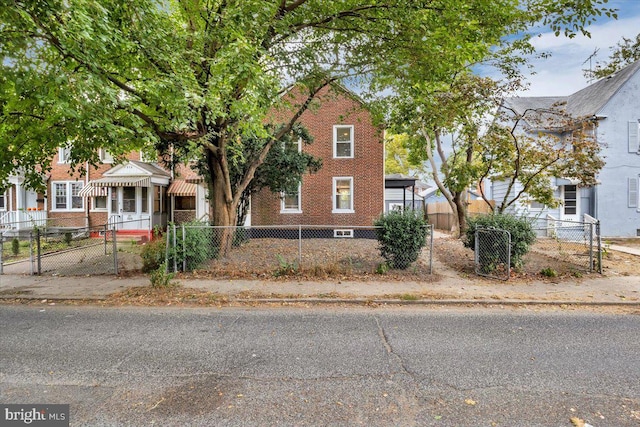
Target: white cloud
(561, 74)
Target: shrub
(198, 245)
(160, 278)
(15, 246)
(68, 237)
(153, 255)
(521, 230)
(401, 236)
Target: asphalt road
(323, 366)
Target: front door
(570, 203)
(129, 208)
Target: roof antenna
(590, 59)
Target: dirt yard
(359, 259)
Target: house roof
(586, 102)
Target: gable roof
(585, 102)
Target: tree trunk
(461, 208)
(223, 212)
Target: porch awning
(122, 181)
(180, 187)
(91, 191)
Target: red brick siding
(366, 168)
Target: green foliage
(199, 244)
(624, 53)
(401, 237)
(68, 237)
(153, 255)
(15, 246)
(160, 278)
(521, 230)
(382, 268)
(285, 268)
(549, 272)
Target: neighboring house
(130, 197)
(349, 188)
(402, 192)
(612, 105)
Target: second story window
(105, 156)
(343, 141)
(64, 154)
(290, 202)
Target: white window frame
(143, 158)
(634, 136)
(64, 154)
(343, 233)
(96, 209)
(3, 197)
(289, 210)
(69, 186)
(334, 194)
(350, 142)
(105, 156)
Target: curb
(365, 301)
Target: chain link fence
(492, 253)
(64, 250)
(578, 243)
(317, 251)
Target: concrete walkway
(593, 289)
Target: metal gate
(493, 253)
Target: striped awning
(122, 181)
(180, 187)
(91, 191)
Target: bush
(199, 245)
(15, 246)
(68, 237)
(401, 236)
(153, 255)
(160, 278)
(521, 230)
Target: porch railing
(17, 220)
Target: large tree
(202, 76)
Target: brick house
(349, 188)
(138, 195)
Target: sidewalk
(595, 290)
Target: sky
(561, 74)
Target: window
(297, 145)
(105, 156)
(343, 142)
(185, 203)
(147, 157)
(342, 233)
(343, 194)
(570, 200)
(99, 203)
(67, 196)
(129, 199)
(64, 154)
(290, 202)
(158, 206)
(3, 201)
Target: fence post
(299, 245)
(599, 237)
(166, 252)
(31, 260)
(39, 254)
(115, 251)
(591, 247)
(105, 239)
(1, 253)
(184, 250)
(175, 247)
(431, 249)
